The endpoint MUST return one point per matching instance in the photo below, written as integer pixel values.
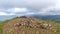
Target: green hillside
(55, 24)
(1, 25)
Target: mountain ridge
(46, 17)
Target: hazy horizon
(28, 7)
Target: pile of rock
(26, 26)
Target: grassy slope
(51, 22)
(1, 25)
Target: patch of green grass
(1, 25)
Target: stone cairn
(27, 26)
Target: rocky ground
(28, 26)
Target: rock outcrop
(27, 26)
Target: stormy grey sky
(29, 7)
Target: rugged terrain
(28, 26)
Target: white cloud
(45, 7)
(11, 14)
(17, 10)
(29, 7)
(30, 13)
(4, 13)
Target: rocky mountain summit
(24, 25)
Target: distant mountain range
(48, 17)
(2, 18)
(44, 17)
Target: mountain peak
(26, 26)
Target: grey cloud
(34, 6)
(26, 3)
